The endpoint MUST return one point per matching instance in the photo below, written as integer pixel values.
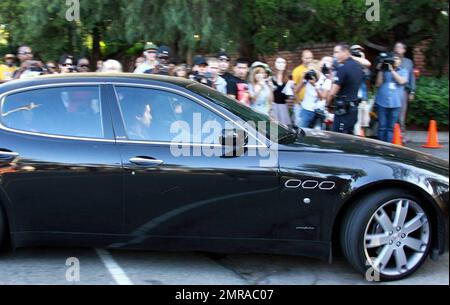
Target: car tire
(378, 237)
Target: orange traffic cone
(397, 139)
(433, 141)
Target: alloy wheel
(397, 237)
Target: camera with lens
(326, 69)
(356, 53)
(320, 114)
(385, 60)
(202, 78)
(311, 75)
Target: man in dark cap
(200, 71)
(224, 66)
(150, 54)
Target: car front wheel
(387, 235)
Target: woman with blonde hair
(260, 88)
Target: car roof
(96, 78)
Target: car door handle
(146, 161)
(7, 155)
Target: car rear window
(62, 111)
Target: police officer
(348, 79)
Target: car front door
(59, 166)
(191, 193)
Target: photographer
(28, 66)
(391, 81)
(200, 72)
(150, 54)
(348, 79)
(163, 65)
(260, 88)
(316, 92)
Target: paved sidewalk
(421, 136)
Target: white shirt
(311, 102)
(145, 66)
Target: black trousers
(346, 123)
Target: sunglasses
(25, 53)
(83, 66)
(51, 67)
(67, 65)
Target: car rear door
(59, 165)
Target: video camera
(385, 60)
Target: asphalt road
(48, 266)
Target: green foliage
(431, 103)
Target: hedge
(431, 102)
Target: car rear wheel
(387, 235)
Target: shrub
(431, 102)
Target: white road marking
(113, 267)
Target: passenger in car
(140, 129)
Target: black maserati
(149, 162)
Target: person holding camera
(298, 77)
(391, 81)
(200, 72)
(28, 66)
(260, 88)
(344, 92)
(316, 91)
(163, 65)
(151, 60)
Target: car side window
(60, 111)
(161, 116)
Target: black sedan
(147, 162)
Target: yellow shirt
(297, 77)
(6, 72)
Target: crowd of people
(319, 91)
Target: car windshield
(262, 123)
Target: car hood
(314, 140)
